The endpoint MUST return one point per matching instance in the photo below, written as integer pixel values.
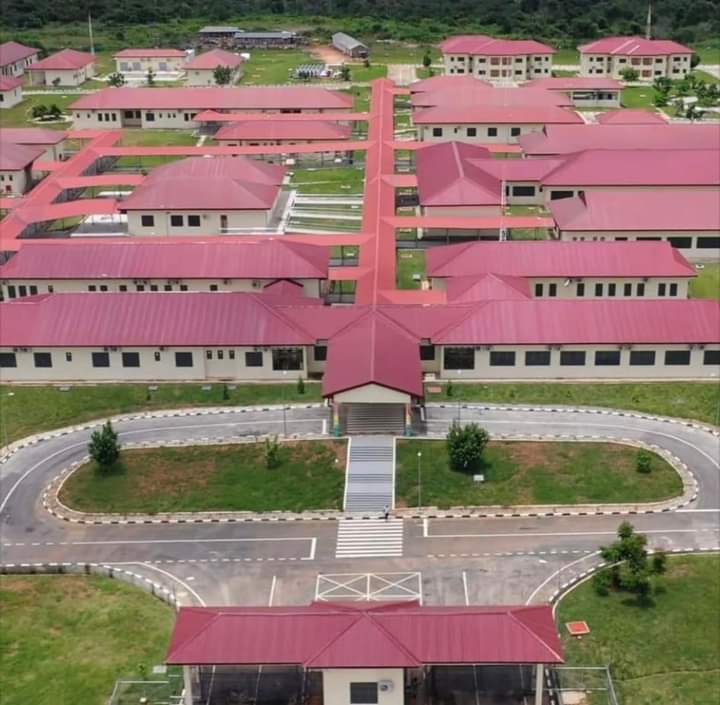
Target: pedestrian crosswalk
(369, 538)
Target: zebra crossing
(369, 538)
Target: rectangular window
(492, 131)
(68, 357)
(194, 221)
(153, 287)
(612, 289)
(627, 289)
(92, 287)
(572, 358)
(42, 359)
(459, 359)
(320, 353)
(140, 287)
(231, 354)
(682, 243)
(607, 358)
(363, 693)
(640, 289)
(523, 191)
(131, 359)
(150, 117)
(552, 289)
(471, 131)
(677, 357)
(502, 358)
(122, 287)
(580, 290)
(8, 359)
(183, 287)
(711, 357)
(514, 131)
(642, 357)
(213, 287)
(708, 243)
(167, 287)
(557, 195)
(673, 289)
(103, 287)
(538, 289)
(176, 221)
(147, 221)
(662, 288)
(11, 291)
(156, 355)
(100, 359)
(209, 354)
(287, 359)
(598, 289)
(427, 352)
(437, 132)
(537, 358)
(33, 290)
(183, 359)
(253, 359)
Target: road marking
(370, 587)
(465, 587)
(272, 590)
(696, 511)
(369, 538)
(178, 580)
(562, 533)
(153, 541)
(553, 574)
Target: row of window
(681, 243)
(176, 221)
(464, 358)
(610, 289)
(7, 177)
(473, 132)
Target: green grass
(145, 162)
(520, 473)
(709, 53)
(707, 77)
(563, 57)
(667, 653)
(154, 138)
(688, 400)
(638, 97)
(361, 98)
(65, 639)
(33, 409)
(707, 283)
(21, 114)
(361, 74)
(329, 181)
(272, 66)
(213, 478)
(410, 262)
(563, 74)
(400, 53)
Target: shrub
(449, 391)
(272, 453)
(643, 462)
(104, 447)
(629, 74)
(602, 582)
(300, 385)
(465, 445)
(225, 392)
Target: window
(677, 357)
(177, 221)
(708, 243)
(122, 287)
(100, 359)
(153, 287)
(320, 353)
(8, 359)
(681, 242)
(627, 289)
(471, 131)
(572, 358)
(492, 131)
(213, 287)
(537, 358)
(103, 287)
(194, 221)
(363, 693)
(287, 359)
(502, 358)
(220, 354)
(514, 131)
(557, 195)
(42, 359)
(673, 289)
(147, 221)
(640, 290)
(208, 354)
(523, 191)
(150, 117)
(183, 359)
(459, 359)
(538, 289)
(183, 287)
(580, 289)
(642, 357)
(231, 354)
(606, 358)
(427, 352)
(662, 288)
(92, 287)
(598, 289)
(253, 359)
(167, 287)
(140, 287)
(711, 357)
(612, 289)
(131, 359)
(33, 290)
(156, 355)
(68, 357)
(437, 132)
(11, 292)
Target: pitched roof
(486, 287)
(265, 259)
(31, 135)
(149, 53)
(214, 58)
(216, 98)
(64, 60)
(634, 46)
(496, 114)
(570, 83)
(621, 210)
(558, 259)
(10, 52)
(283, 130)
(493, 46)
(200, 183)
(400, 634)
(447, 82)
(15, 157)
(8, 84)
(630, 116)
(478, 94)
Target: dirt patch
(332, 56)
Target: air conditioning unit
(386, 686)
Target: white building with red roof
(137, 62)
(201, 69)
(583, 91)
(496, 60)
(631, 116)
(53, 141)
(16, 162)
(15, 58)
(10, 91)
(67, 67)
(271, 132)
(651, 58)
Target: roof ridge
(512, 615)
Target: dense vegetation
(411, 20)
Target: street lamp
(283, 404)
(419, 459)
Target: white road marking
(272, 590)
(465, 587)
(561, 533)
(176, 579)
(552, 575)
(696, 511)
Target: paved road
(443, 561)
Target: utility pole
(92, 43)
(648, 26)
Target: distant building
(218, 32)
(201, 69)
(349, 45)
(651, 58)
(234, 37)
(16, 163)
(15, 58)
(271, 132)
(140, 61)
(10, 92)
(52, 141)
(584, 92)
(64, 68)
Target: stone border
(52, 503)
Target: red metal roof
(471, 222)
(214, 116)
(493, 46)
(8, 84)
(198, 183)
(571, 83)
(214, 58)
(487, 287)
(565, 139)
(634, 46)
(496, 115)
(283, 130)
(10, 52)
(31, 135)
(216, 98)
(480, 95)
(63, 60)
(558, 259)
(630, 116)
(15, 157)
(380, 635)
(672, 211)
(447, 82)
(264, 259)
(149, 54)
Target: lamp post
(283, 404)
(419, 480)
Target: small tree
(56, 82)
(694, 61)
(104, 447)
(629, 74)
(643, 462)
(39, 111)
(366, 63)
(225, 393)
(54, 112)
(465, 445)
(272, 453)
(150, 77)
(300, 385)
(116, 79)
(222, 75)
(427, 59)
(345, 74)
(449, 389)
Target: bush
(300, 385)
(602, 582)
(643, 462)
(104, 447)
(629, 74)
(449, 390)
(465, 445)
(272, 453)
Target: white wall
(499, 68)
(206, 77)
(210, 222)
(18, 68)
(14, 183)
(372, 394)
(9, 99)
(482, 132)
(164, 64)
(648, 67)
(66, 77)
(336, 684)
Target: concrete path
(712, 69)
(402, 74)
(370, 474)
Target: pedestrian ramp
(369, 538)
(370, 474)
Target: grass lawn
(638, 97)
(707, 77)
(688, 400)
(409, 263)
(563, 57)
(213, 478)
(145, 162)
(563, 74)
(360, 74)
(66, 639)
(667, 653)
(707, 283)
(21, 114)
(153, 138)
(532, 473)
(27, 410)
(400, 53)
(272, 66)
(708, 53)
(329, 180)
(361, 98)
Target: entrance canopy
(364, 635)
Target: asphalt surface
(443, 561)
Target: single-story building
(282, 39)
(10, 92)
(139, 61)
(584, 92)
(67, 67)
(205, 196)
(349, 45)
(688, 220)
(497, 60)
(443, 83)
(201, 69)
(16, 162)
(177, 108)
(481, 94)
(15, 58)
(162, 266)
(383, 653)
(217, 32)
(651, 58)
(270, 132)
(631, 116)
(53, 141)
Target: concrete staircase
(386, 419)
(370, 474)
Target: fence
(153, 692)
(582, 684)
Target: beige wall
(499, 68)
(159, 64)
(649, 67)
(336, 684)
(461, 211)
(210, 222)
(18, 68)
(460, 132)
(372, 394)
(10, 98)
(14, 183)
(69, 77)
(577, 189)
(206, 77)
